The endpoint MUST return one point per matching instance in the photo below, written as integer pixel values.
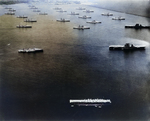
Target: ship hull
(126, 49)
(81, 28)
(30, 50)
(141, 27)
(63, 20)
(18, 26)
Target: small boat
(90, 102)
(138, 26)
(62, 11)
(33, 7)
(73, 13)
(12, 10)
(127, 46)
(81, 27)
(9, 13)
(84, 17)
(36, 11)
(80, 8)
(8, 8)
(57, 8)
(24, 26)
(22, 16)
(93, 22)
(43, 13)
(88, 11)
(30, 50)
(30, 20)
(118, 18)
(63, 20)
(107, 14)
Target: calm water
(75, 64)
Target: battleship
(127, 46)
(90, 102)
(137, 26)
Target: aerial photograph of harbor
(74, 60)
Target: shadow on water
(40, 85)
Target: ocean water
(75, 64)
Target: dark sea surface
(75, 64)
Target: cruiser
(63, 20)
(30, 20)
(22, 16)
(24, 26)
(9, 13)
(30, 50)
(81, 27)
(90, 102)
(127, 46)
(84, 17)
(107, 14)
(93, 22)
(138, 26)
(118, 18)
(73, 13)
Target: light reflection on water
(74, 65)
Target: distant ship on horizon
(140, 7)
